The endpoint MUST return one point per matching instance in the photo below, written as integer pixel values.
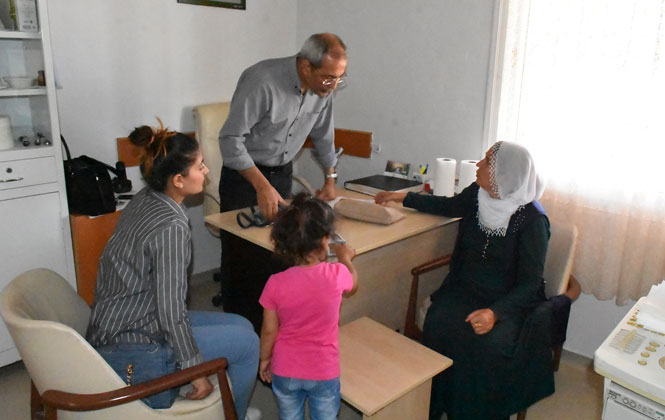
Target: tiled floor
(578, 389)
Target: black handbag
(89, 185)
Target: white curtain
(582, 86)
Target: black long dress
(507, 369)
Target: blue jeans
(291, 394)
(219, 334)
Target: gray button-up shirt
(270, 120)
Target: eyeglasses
(330, 81)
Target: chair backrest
(559, 261)
(47, 320)
(209, 120)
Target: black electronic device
(373, 184)
(120, 183)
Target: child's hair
(299, 228)
(167, 153)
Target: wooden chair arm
(431, 265)
(410, 328)
(574, 289)
(54, 400)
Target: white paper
(467, 174)
(651, 322)
(657, 294)
(444, 177)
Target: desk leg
(413, 405)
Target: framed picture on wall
(229, 4)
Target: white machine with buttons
(632, 360)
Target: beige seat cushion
(367, 211)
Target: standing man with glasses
(276, 105)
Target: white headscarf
(514, 180)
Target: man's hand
(481, 320)
(269, 201)
(202, 388)
(266, 195)
(327, 192)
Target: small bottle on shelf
(12, 15)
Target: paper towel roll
(444, 177)
(467, 174)
(6, 139)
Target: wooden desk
(384, 374)
(384, 257)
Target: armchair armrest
(431, 265)
(410, 328)
(54, 400)
(574, 289)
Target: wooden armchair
(47, 321)
(559, 284)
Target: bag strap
(113, 169)
(64, 143)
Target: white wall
(417, 76)
(591, 321)
(121, 63)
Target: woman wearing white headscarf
(495, 281)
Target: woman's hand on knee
(202, 388)
(481, 320)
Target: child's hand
(343, 251)
(264, 371)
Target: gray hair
(317, 46)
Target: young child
(299, 338)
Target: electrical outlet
(376, 148)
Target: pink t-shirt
(307, 301)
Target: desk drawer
(26, 172)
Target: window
(582, 85)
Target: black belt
(275, 169)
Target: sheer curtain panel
(582, 86)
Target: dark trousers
(245, 267)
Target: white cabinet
(34, 221)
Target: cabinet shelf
(36, 91)
(19, 35)
(31, 152)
